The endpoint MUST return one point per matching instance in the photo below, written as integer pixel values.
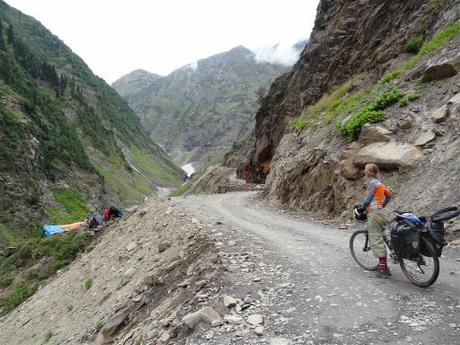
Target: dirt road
(314, 293)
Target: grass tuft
(410, 97)
(88, 283)
(99, 325)
(298, 124)
(327, 101)
(48, 336)
(391, 75)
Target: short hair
(372, 168)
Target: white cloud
(284, 53)
(116, 37)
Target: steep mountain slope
(365, 62)
(64, 132)
(199, 110)
(134, 82)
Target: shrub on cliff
(371, 114)
(414, 44)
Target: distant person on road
(376, 199)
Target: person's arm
(387, 193)
(370, 193)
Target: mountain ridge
(64, 127)
(202, 105)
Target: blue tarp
(50, 230)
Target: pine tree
(2, 43)
(10, 34)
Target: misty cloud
(284, 53)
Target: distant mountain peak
(241, 49)
(143, 72)
(134, 81)
(205, 104)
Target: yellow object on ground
(72, 227)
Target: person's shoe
(383, 273)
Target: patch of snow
(189, 169)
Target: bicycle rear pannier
(405, 238)
(435, 232)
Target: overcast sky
(115, 37)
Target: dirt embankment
(134, 287)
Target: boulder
(232, 319)
(131, 246)
(425, 138)
(129, 272)
(151, 280)
(164, 337)
(163, 246)
(205, 315)
(438, 72)
(373, 134)
(255, 320)
(347, 168)
(440, 114)
(229, 302)
(390, 155)
(10, 251)
(259, 330)
(279, 341)
(455, 100)
(112, 326)
(405, 124)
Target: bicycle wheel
(361, 250)
(424, 271)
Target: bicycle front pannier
(405, 238)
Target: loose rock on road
(301, 278)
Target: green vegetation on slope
(298, 124)
(367, 104)
(17, 295)
(185, 187)
(74, 207)
(166, 174)
(37, 259)
(439, 40)
(34, 261)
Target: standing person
(375, 201)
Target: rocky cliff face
(312, 112)
(199, 110)
(64, 131)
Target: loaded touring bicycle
(415, 243)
